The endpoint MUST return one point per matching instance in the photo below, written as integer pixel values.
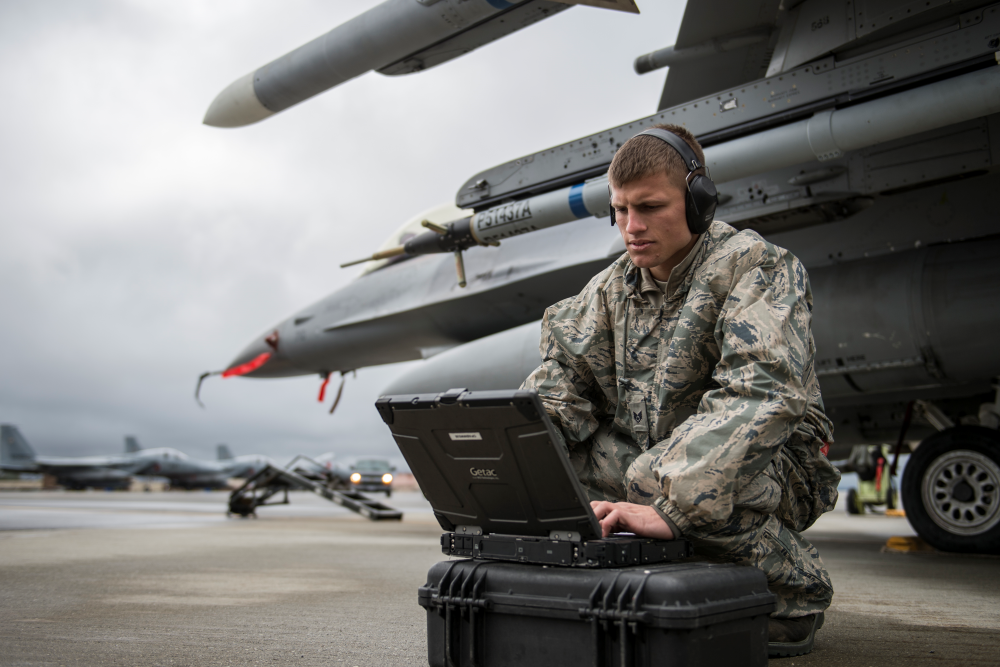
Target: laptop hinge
(565, 535)
(468, 530)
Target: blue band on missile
(500, 4)
(576, 201)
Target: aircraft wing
(56, 463)
(707, 65)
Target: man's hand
(642, 520)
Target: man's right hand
(642, 520)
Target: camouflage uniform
(701, 400)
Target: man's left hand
(642, 520)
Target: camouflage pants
(612, 467)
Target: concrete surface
(166, 579)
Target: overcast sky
(139, 247)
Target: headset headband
(679, 145)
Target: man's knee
(795, 573)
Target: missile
(489, 227)
(395, 37)
(828, 134)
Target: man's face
(651, 219)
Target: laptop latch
(564, 535)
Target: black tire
(853, 506)
(951, 490)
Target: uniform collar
(640, 281)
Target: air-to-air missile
(864, 139)
(395, 37)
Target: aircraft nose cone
(276, 365)
(236, 106)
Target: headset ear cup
(692, 214)
(702, 199)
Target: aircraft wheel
(951, 490)
(854, 506)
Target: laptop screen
(489, 459)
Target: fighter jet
(183, 471)
(241, 466)
(76, 473)
(17, 455)
(862, 136)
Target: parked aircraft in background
(16, 455)
(241, 466)
(863, 136)
(76, 473)
(183, 471)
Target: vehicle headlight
(355, 477)
(387, 478)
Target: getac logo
(484, 473)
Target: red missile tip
(248, 367)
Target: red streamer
(248, 367)
(322, 387)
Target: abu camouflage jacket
(718, 377)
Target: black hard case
(492, 614)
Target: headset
(701, 198)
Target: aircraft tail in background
(222, 453)
(15, 452)
(131, 444)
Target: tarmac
(166, 579)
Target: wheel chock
(907, 545)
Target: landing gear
(951, 490)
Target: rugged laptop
(502, 487)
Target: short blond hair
(643, 156)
